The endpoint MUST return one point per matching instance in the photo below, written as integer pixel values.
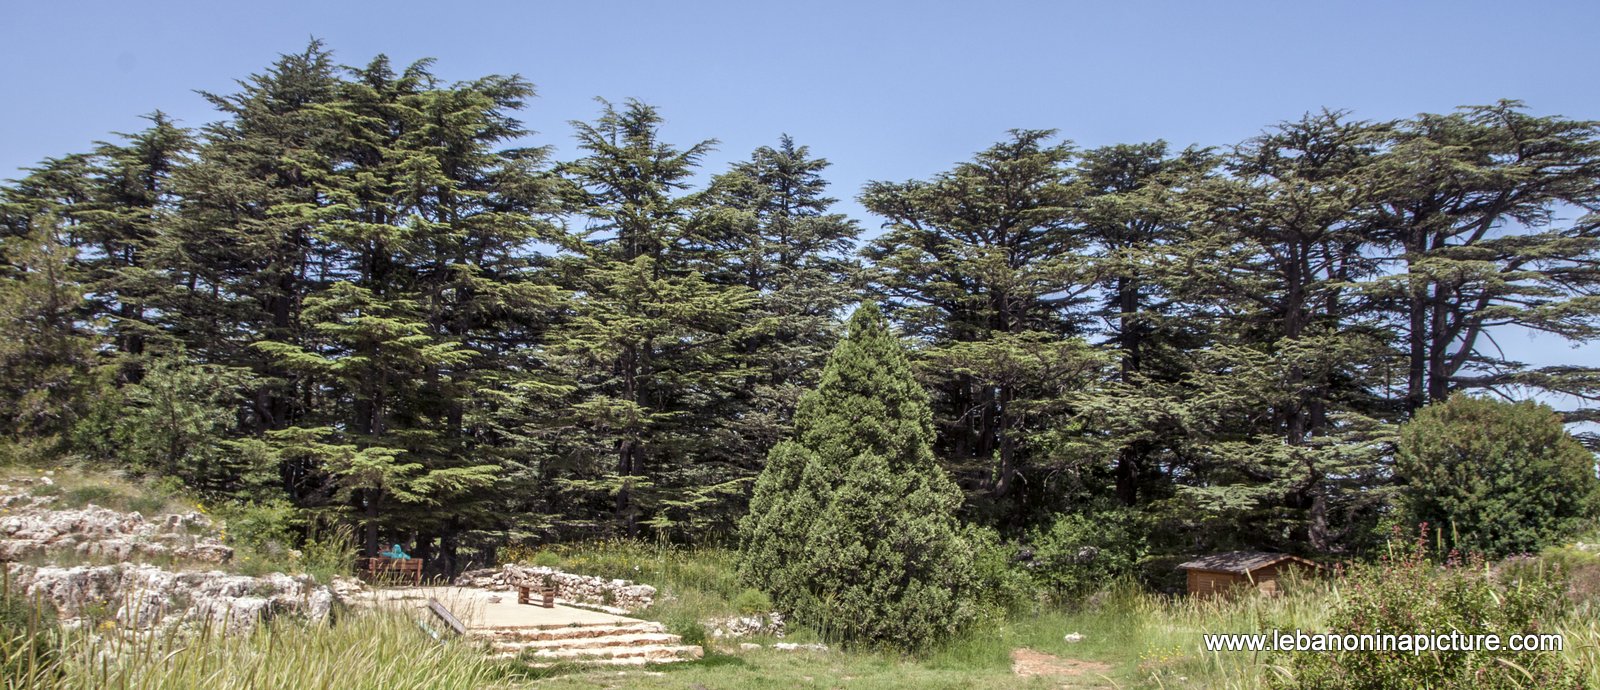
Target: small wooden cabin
(1215, 574)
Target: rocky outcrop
(766, 625)
(581, 589)
(144, 596)
(95, 532)
(134, 595)
(31, 528)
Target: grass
(72, 488)
(1147, 640)
(364, 649)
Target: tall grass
(382, 648)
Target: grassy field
(1130, 638)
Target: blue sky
(885, 90)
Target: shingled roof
(1241, 562)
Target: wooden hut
(1218, 573)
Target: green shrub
(687, 627)
(852, 527)
(1082, 553)
(268, 528)
(1501, 478)
(547, 559)
(752, 602)
(175, 422)
(1408, 593)
(329, 553)
(1004, 586)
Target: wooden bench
(547, 596)
(379, 565)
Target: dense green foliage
(1408, 593)
(852, 527)
(1082, 552)
(1495, 477)
(375, 297)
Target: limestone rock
(33, 529)
(144, 596)
(769, 624)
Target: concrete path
(484, 609)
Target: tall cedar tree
(1471, 208)
(1133, 212)
(1272, 262)
(650, 343)
(980, 264)
(765, 225)
(852, 528)
(416, 239)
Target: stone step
(633, 655)
(628, 640)
(527, 634)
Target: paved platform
(480, 609)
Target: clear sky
(885, 90)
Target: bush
(1082, 553)
(267, 527)
(265, 536)
(175, 422)
(852, 527)
(1501, 478)
(1004, 587)
(1407, 594)
(752, 602)
(330, 553)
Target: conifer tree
(852, 528)
(47, 336)
(766, 225)
(981, 264)
(1470, 214)
(1285, 390)
(242, 254)
(133, 203)
(46, 347)
(1133, 212)
(649, 342)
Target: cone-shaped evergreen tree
(852, 528)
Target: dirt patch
(1027, 662)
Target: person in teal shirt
(396, 553)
